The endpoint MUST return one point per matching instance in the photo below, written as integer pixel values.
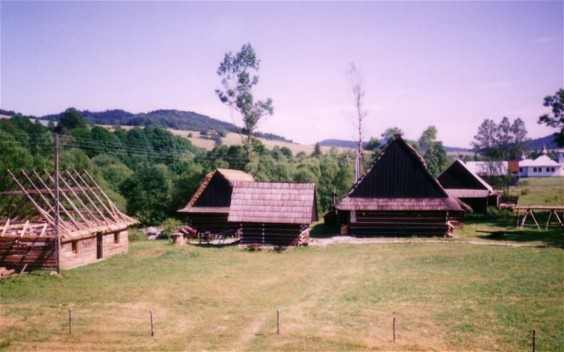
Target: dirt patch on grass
(149, 253)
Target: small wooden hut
(398, 196)
(90, 226)
(264, 212)
(209, 207)
(462, 183)
(277, 214)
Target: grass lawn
(540, 191)
(445, 296)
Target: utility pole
(57, 204)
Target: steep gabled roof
(397, 180)
(265, 202)
(459, 176)
(27, 206)
(225, 178)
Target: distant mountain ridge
(533, 144)
(175, 119)
(352, 144)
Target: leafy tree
(388, 135)
(14, 156)
(556, 119)
(148, 194)
(484, 141)
(238, 74)
(500, 142)
(434, 154)
(519, 132)
(70, 120)
(316, 151)
(372, 144)
(428, 138)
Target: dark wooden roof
(459, 177)
(398, 180)
(214, 194)
(27, 206)
(282, 203)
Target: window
(552, 169)
(547, 169)
(74, 247)
(520, 169)
(116, 238)
(535, 169)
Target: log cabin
(209, 207)
(264, 213)
(397, 196)
(462, 183)
(277, 214)
(90, 227)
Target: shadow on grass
(503, 226)
(550, 237)
(204, 244)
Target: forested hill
(180, 120)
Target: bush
(524, 191)
(136, 235)
(169, 226)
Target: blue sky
(448, 64)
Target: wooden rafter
(27, 206)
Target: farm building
(263, 212)
(398, 196)
(273, 213)
(461, 183)
(90, 226)
(209, 207)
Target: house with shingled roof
(266, 213)
(462, 183)
(398, 196)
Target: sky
(446, 64)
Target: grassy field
(484, 290)
(540, 191)
(445, 296)
(235, 139)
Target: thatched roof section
(264, 202)
(398, 180)
(221, 176)
(459, 176)
(27, 206)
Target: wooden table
(530, 210)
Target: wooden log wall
(478, 205)
(87, 250)
(36, 252)
(212, 222)
(270, 234)
(374, 223)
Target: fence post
(394, 328)
(534, 340)
(278, 321)
(70, 321)
(152, 326)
